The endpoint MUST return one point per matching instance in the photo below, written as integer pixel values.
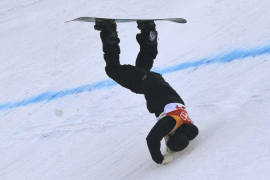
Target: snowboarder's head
(181, 137)
(178, 141)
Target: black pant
(128, 76)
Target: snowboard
(93, 19)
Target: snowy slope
(62, 118)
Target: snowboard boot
(105, 25)
(110, 41)
(108, 31)
(148, 35)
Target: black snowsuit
(139, 79)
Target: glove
(167, 159)
(168, 150)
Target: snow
(62, 118)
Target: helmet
(177, 141)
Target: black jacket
(161, 129)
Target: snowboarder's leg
(148, 44)
(126, 75)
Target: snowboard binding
(108, 32)
(147, 38)
(148, 35)
(105, 25)
(146, 25)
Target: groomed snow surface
(61, 118)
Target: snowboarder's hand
(168, 150)
(167, 159)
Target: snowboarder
(174, 124)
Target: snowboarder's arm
(160, 130)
